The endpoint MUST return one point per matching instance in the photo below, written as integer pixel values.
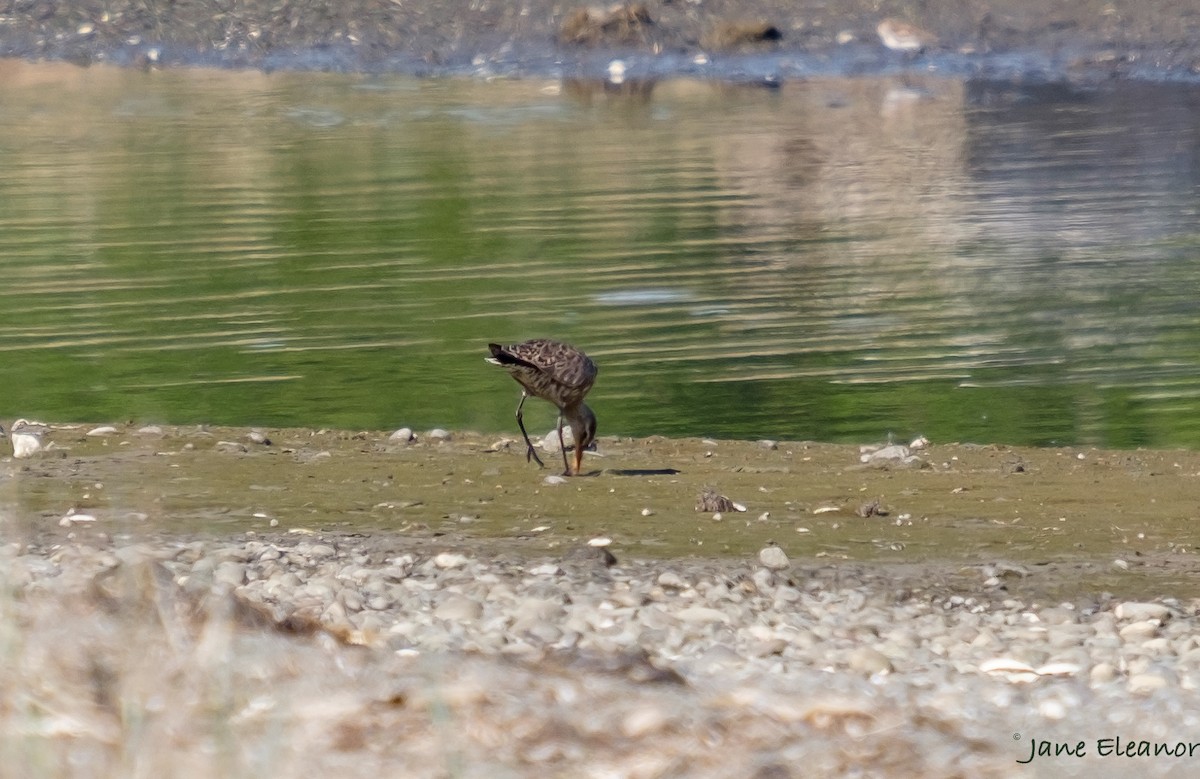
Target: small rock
(588, 557)
(439, 434)
(701, 614)
(899, 35)
(1133, 610)
(718, 658)
(402, 436)
(1139, 631)
(448, 560)
(554, 480)
(643, 721)
(1103, 673)
(1143, 683)
(672, 580)
(768, 647)
(773, 558)
(72, 518)
(865, 659)
(549, 442)
(230, 573)
(352, 599)
(894, 454)
(873, 508)
(458, 608)
(103, 430)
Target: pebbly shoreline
(721, 39)
(328, 652)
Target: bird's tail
(502, 357)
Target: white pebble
(1138, 631)
(71, 518)
(643, 721)
(1144, 683)
(699, 614)
(1134, 610)
(671, 579)
(773, 558)
(447, 560)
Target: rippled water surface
(831, 260)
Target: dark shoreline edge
(1078, 42)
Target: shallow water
(835, 259)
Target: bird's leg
(562, 447)
(528, 444)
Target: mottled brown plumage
(559, 373)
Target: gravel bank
(1023, 39)
(305, 654)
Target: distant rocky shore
(1076, 40)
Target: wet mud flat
(721, 39)
(186, 601)
(1052, 523)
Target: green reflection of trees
(296, 252)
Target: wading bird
(559, 373)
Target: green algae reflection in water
(833, 260)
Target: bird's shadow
(641, 471)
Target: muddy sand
(1081, 40)
(1071, 520)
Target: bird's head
(583, 429)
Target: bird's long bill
(578, 458)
